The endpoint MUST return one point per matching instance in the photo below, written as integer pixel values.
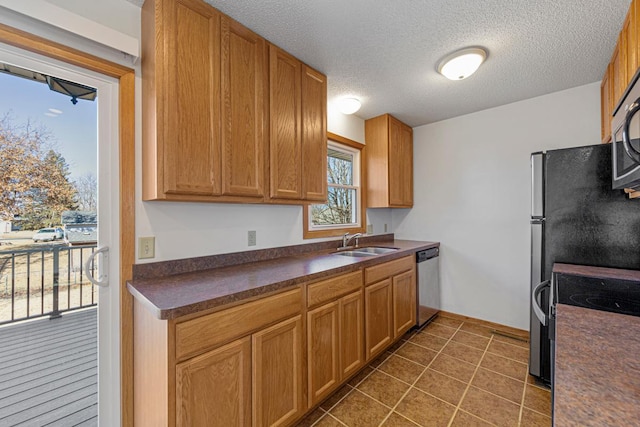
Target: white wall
(472, 193)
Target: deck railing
(44, 281)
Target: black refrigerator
(576, 218)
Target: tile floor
(450, 373)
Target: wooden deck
(49, 371)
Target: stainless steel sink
(376, 250)
(354, 254)
(364, 252)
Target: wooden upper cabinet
(226, 116)
(629, 31)
(401, 165)
(181, 99)
(298, 129)
(622, 68)
(314, 135)
(204, 81)
(618, 71)
(606, 107)
(634, 10)
(285, 130)
(389, 145)
(244, 61)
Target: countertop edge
(164, 312)
(596, 272)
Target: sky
(74, 128)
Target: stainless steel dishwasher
(428, 285)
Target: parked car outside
(48, 234)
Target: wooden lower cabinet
(241, 366)
(390, 303)
(377, 300)
(214, 389)
(351, 334)
(404, 302)
(323, 351)
(277, 374)
(335, 343)
(268, 361)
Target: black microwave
(625, 141)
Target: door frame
(126, 133)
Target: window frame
(308, 232)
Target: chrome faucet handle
(346, 239)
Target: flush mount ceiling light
(349, 105)
(463, 63)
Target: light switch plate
(146, 247)
(369, 228)
(251, 238)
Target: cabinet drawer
(196, 335)
(330, 289)
(378, 272)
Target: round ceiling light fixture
(462, 63)
(349, 105)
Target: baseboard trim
(508, 331)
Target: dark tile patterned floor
(450, 373)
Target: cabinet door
(605, 106)
(378, 324)
(323, 351)
(314, 135)
(191, 114)
(285, 133)
(277, 373)
(618, 71)
(631, 43)
(243, 112)
(400, 164)
(351, 334)
(406, 152)
(404, 302)
(214, 389)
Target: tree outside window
(342, 211)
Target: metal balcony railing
(44, 281)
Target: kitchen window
(343, 211)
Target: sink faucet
(346, 239)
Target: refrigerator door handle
(534, 302)
(537, 185)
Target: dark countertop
(172, 296)
(597, 368)
(597, 272)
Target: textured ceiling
(386, 52)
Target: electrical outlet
(369, 228)
(251, 237)
(146, 247)
(385, 228)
